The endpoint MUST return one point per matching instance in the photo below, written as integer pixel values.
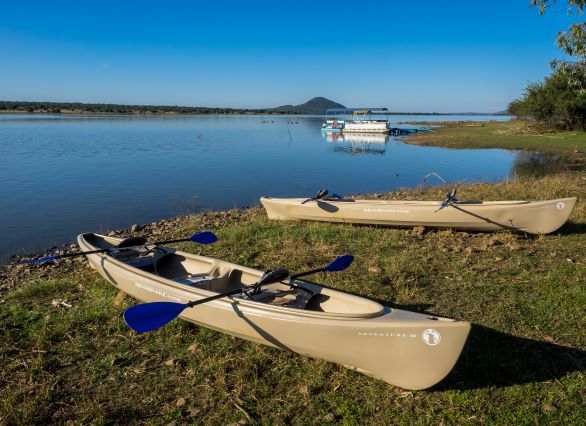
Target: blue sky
(422, 55)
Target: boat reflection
(358, 143)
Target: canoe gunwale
(226, 303)
(415, 203)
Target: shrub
(558, 102)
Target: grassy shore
(504, 134)
(66, 354)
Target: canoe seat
(195, 280)
(218, 279)
(225, 278)
(132, 241)
(291, 298)
(139, 257)
(171, 266)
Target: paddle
(322, 193)
(150, 316)
(450, 198)
(201, 238)
(336, 265)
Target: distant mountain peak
(317, 105)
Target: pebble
(171, 362)
(419, 230)
(194, 412)
(374, 269)
(330, 417)
(181, 402)
(492, 243)
(26, 389)
(549, 408)
(58, 303)
(193, 347)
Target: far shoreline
(277, 113)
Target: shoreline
(513, 135)
(233, 215)
(285, 113)
(15, 112)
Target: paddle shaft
(180, 240)
(217, 296)
(106, 250)
(303, 274)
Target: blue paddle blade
(149, 316)
(204, 238)
(340, 263)
(44, 259)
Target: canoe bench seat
(291, 298)
(172, 266)
(140, 259)
(194, 280)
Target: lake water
(63, 175)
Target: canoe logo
(560, 205)
(431, 337)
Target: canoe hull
(534, 217)
(406, 349)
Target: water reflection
(537, 164)
(355, 143)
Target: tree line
(78, 107)
(559, 101)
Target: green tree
(572, 41)
(560, 100)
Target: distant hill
(313, 106)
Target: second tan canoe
(533, 217)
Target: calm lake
(63, 175)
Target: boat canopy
(333, 111)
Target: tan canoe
(406, 349)
(534, 217)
